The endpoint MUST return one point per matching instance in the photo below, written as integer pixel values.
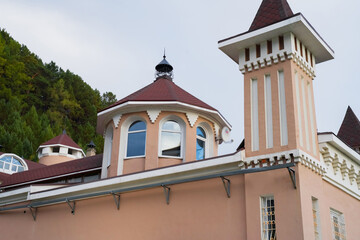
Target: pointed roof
(349, 131)
(62, 139)
(162, 90)
(271, 11)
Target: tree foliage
(38, 100)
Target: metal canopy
(165, 185)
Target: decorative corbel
(153, 114)
(192, 118)
(116, 120)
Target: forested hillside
(38, 100)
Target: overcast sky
(115, 45)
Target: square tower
(277, 56)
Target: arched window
(171, 136)
(136, 139)
(200, 143)
(9, 164)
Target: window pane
(136, 126)
(170, 144)
(200, 149)
(20, 169)
(13, 168)
(200, 132)
(16, 162)
(171, 126)
(74, 180)
(136, 144)
(7, 166)
(1, 164)
(6, 159)
(90, 178)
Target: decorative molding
(116, 120)
(216, 130)
(192, 118)
(153, 114)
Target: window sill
(127, 158)
(161, 156)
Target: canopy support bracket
(292, 176)
(117, 200)
(167, 193)
(33, 212)
(226, 183)
(71, 205)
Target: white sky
(115, 45)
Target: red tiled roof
(3, 176)
(63, 139)
(349, 131)
(163, 90)
(271, 11)
(59, 169)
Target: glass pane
(90, 178)
(16, 162)
(136, 144)
(7, 166)
(6, 159)
(1, 164)
(13, 168)
(200, 132)
(136, 126)
(20, 169)
(74, 180)
(170, 144)
(200, 149)
(171, 126)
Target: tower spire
(164, 69)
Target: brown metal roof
(162, 90)
(271, 11)
(59, 169)
(349, 131)
(62, 139)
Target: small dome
(164, 70)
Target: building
(161, 177)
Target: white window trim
(108, 148)
(340, 217)
(22, 162)
(182, 125)
(127, 137)
(317, 227)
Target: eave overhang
(138, 106)
(296, 24)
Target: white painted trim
(297, 24)
(192, 118)
(305, 112)
(268, 111)
(312, 117)
(116, 120)
(153, 114)
(282, 109)
(254, 115)
(298, 108)
(61, 145)
(336, 142)
(150, 176)
(167, 103)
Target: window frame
(205, 140)
(263, 231)
(127, 138)
(12, 156)
(182, 131)
(341, 221)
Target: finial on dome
(164, 69)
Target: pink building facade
(160, 176)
